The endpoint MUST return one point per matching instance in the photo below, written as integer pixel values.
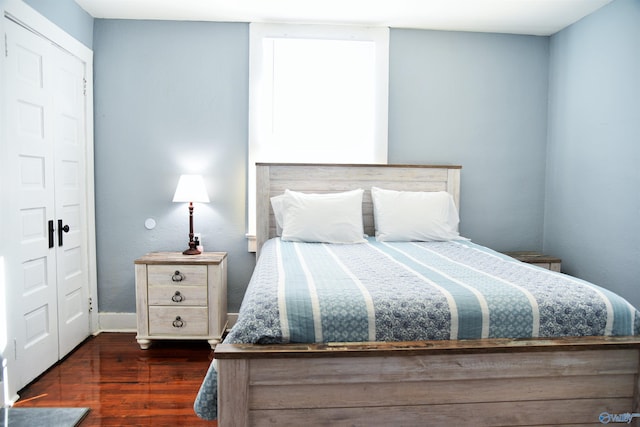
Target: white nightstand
(181, 296)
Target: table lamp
(191, 189)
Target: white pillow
(414, 215)
(277, 203)
(328, 218)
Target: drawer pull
(177, 297)
(177, 276)
(178, 323)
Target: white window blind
(316, 94)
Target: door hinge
(6, 46)
(84, 86)
(90, 304)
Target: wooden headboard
(273, 178)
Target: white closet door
(48, 288)
(32, 290)
(70, 200)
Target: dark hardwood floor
(126, 386)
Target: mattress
(410, 291)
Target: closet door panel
(70, 200)
(32, 290)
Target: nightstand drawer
(178, 321)
(178, 295)
(184, 275)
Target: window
(316, 94)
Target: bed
(489, 343)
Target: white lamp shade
(191, 189)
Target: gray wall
(478, 100)
(592, 215)
(170, 98)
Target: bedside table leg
(213, 343)
(144, 344)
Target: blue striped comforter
(408, 291)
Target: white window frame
(257, 88)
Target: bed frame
(490, 382)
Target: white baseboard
(126, 322)
(232, 318)
(6, 399)
(117, 322)
(3, 372)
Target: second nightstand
(536, 258)
(181, 296)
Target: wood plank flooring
(126, 386)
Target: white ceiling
(536, 17)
